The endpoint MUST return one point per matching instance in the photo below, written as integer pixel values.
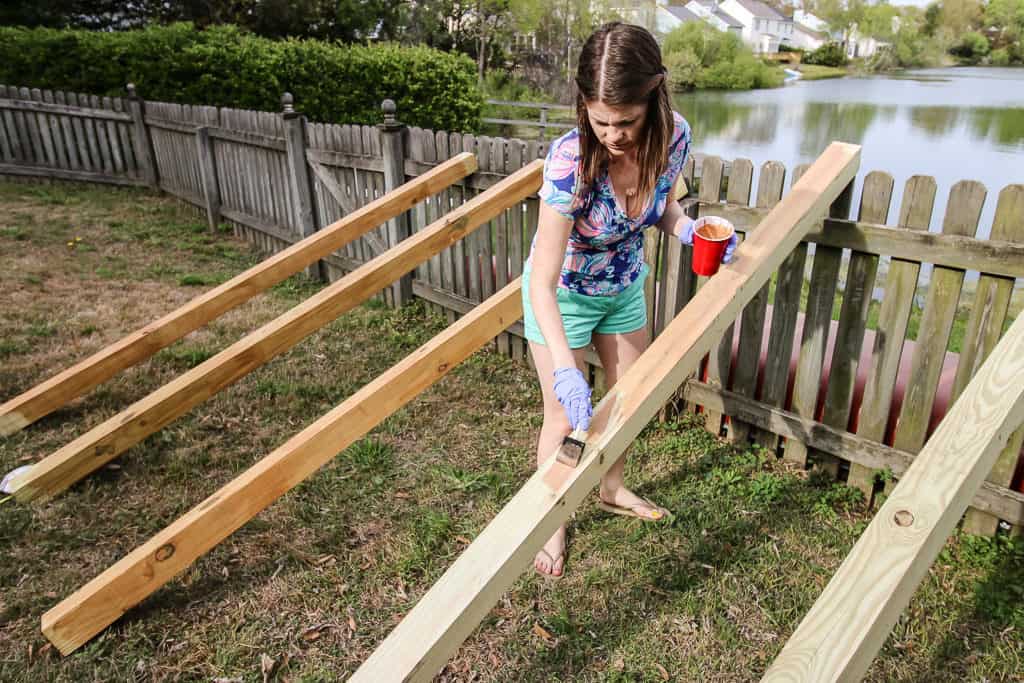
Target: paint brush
(572, 448)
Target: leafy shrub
(698, 55)
(683, 69)
(1000, 57)
(971, 48)
(829, 54)
(225, 66)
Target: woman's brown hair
(620, 64)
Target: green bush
(829, 54)
(971, 48)
(698, 55)
(683, 69)
(225, 66)
(1000, 57)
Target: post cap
(131, 90)
(389, 108)
(288, 103)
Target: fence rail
(848, 369)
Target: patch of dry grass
(320, 577)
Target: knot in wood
(903, 518)
(164, 552)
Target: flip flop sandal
(553, 562)
(656, 514)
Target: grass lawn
(307, 589)
(814, 72)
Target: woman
(604, 183)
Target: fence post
(143, 143)
(298, 175)
(208, 172)
(391, 136)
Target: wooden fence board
(962, 214)
(720, 358)
(785, 309)
(817, 319)
(876, 196)
(748, 357)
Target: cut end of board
(11, 423)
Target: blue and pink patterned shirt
(605, 253)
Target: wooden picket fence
(829, 392)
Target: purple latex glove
(729, 249)
(686, 237)
(573, 393)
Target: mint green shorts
(582, 315)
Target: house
(670, 17)
(764, 28)
(807, 38)
(711, 12)
(859, 45)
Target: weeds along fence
(846, 360)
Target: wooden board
(845, 628)
(426, 638)
(106, 441)
(720, 357)
(102, 601)
(44, 398)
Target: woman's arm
(548, 255)
(674, 221)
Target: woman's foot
(625, 501)
(550, 560)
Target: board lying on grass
(426, 638)
(103, 600)
(106, 441)
(44, 398)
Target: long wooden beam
(92, 450)
(23, 410)
(426, 638)
(103, 600)
(847, 625)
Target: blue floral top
(605, 253)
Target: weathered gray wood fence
(802, 372)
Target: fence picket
(748, 357)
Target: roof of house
(730, 21)
(681, 13)
(820, 35)
(759, 9)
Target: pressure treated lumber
(103, 600)
(103, 443)
(23, 410)
(425, 639)
(845, 628)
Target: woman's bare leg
(618, 352)
(554, 428)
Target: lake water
(953, 124)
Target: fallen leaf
(402, 494)
(267, 664)
(619, 664)
(543, 633)
(663, 671)
(463, 540)
(352, 623)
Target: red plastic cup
(711, 235)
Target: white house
(858, 45)
(764, 28)
(809, 31)
(807, 38)
(712, 13)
